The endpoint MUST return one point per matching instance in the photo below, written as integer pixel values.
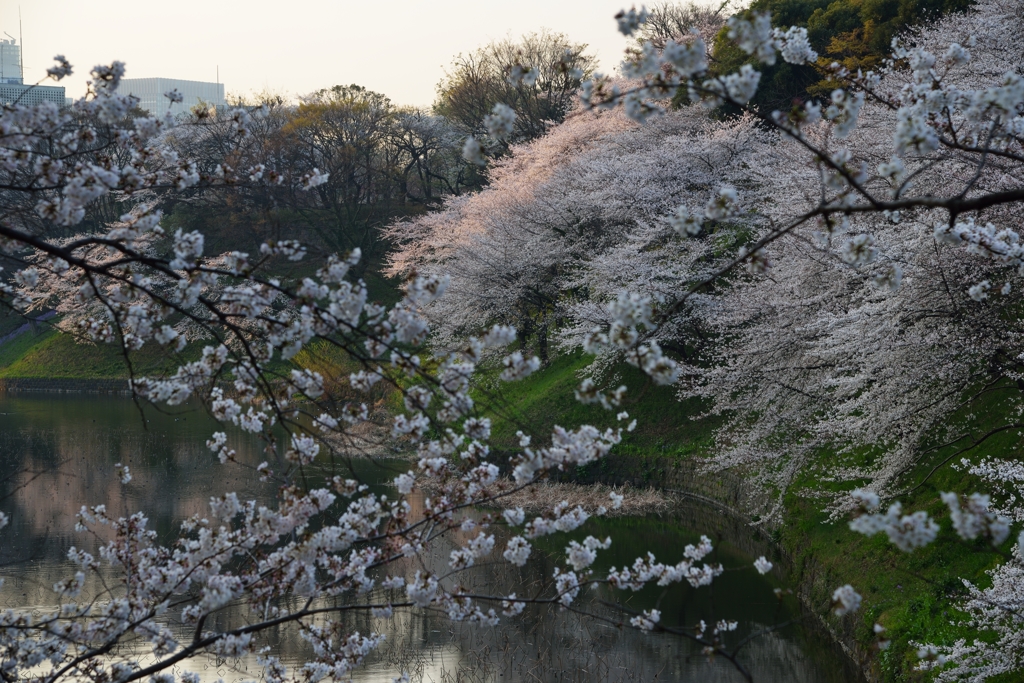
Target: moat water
(57, 453)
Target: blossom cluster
(906, 532)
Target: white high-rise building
(12, 87)
(150, 92)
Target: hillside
(910, 595)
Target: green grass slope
(547, 398)
(49, 354)
(911, 595)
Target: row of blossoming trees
(869, 250)
(841, 272)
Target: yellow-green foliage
(855, 33)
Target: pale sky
(396, 47)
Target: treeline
(383, 161)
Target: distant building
(11, 93)
(150, 92)
(12, 86)
(10, 62)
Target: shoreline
(69, 385)
(729, 494)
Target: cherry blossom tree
(880, 258)
(678, 22)
(906, 205)
(883, 318)
(573, 218)
(830, 207)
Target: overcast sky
(396, 47)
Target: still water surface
(65, 448)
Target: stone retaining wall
(88, 386)
(731, 493)
(672, 473)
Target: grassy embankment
(911, 595)
(47, 354)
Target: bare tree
(674, 21)
(480, 80)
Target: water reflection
(62, 450)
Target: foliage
(380, 161)
(855, 33)
(480, 80)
